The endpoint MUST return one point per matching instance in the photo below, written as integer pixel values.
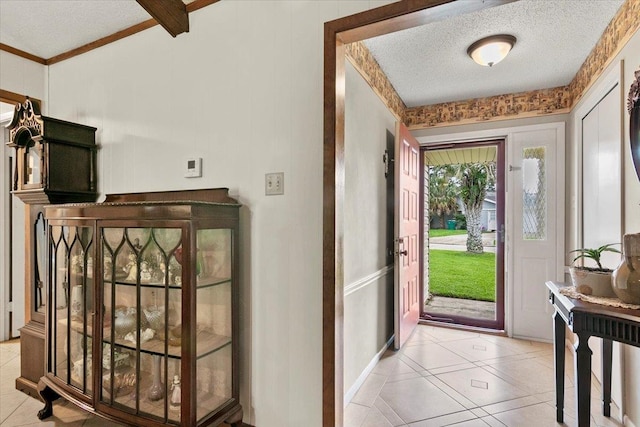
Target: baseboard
(365, 373)
(627, 422)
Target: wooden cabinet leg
(235, 419)
(583, 380)
(559, 361)
(607, 350)
(48, 396)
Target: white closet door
(602, 197)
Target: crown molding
(22, 54)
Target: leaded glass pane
(534, 185)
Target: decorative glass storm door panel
(141, 342)
(72, 297)
(534, 185)
(214, 381)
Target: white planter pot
(596, 283)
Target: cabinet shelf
(207, 343)
(205, 282)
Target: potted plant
(594, 281)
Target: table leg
(558, 357)
(607, 350)
(583, 380)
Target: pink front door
(407, 229)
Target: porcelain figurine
(175, 393)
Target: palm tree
(474, 180)
(442, 191)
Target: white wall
(368, 229)
(22, 76)
(244, 91)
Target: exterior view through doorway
(463, 201)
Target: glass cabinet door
(142, 305)
(72, 296)
(214, 383)
(40, 256)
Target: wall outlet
(274, 183)
(193, 168)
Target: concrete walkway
(446, 306)
(458, 242)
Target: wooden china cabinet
(147, 333)
(55, 162)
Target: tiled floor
(442, 377)
(18, 409)
(450, 377)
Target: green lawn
(439, 232)
(462, 275)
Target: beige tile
(391, 364)
(9, 372)
(354, 415)
(7, 355)
(479, 412)
(26, 413)
(95, 421)
(418, 399)
(478, 349)
(471, 423)
(452, 392)
(480, 386)
(9, 402)
(492, 421)
(452, 368)
(388, 413)
(531, 416)
(448, 334)
(519, 345)
(419, 336)
(431, 356)
(528, 375)
(407, 376)
(370, 389)
(375, 419)
(508, 405)
(445, 420)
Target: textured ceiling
(426, 65)
(46, 28)
(430, 65)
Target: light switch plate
(193, 168)
(274, 184)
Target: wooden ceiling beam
(171, 14)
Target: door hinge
(10, 307)
(514, 168)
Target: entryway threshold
(487, 331)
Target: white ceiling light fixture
(491, 50)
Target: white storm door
(536, 184)
(407, 231)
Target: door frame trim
(501, 282)
(506, 133)
(393, 17)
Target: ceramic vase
(626, 278)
